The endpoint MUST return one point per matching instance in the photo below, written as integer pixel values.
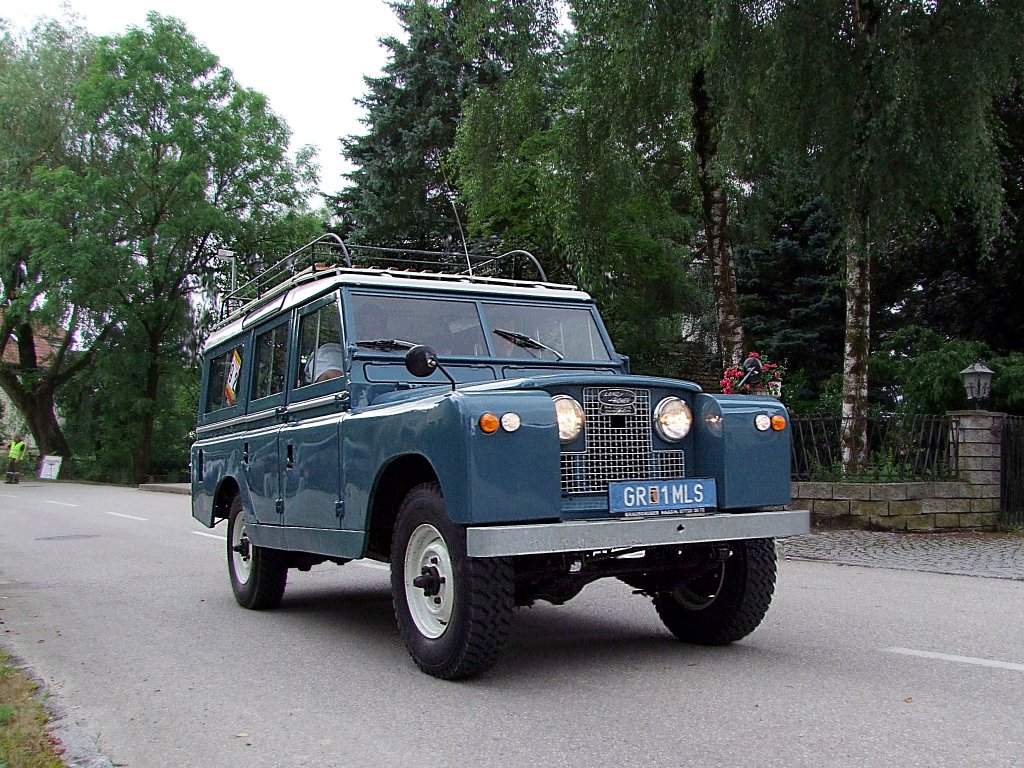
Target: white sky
(308, 56)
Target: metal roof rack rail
(331, 252)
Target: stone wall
(970, 503)
(932, 506)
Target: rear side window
(271, 362)
(225, 375)
(320, 353)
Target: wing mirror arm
(421, 361)
(753, 369)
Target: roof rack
(331, 252)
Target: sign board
(50, 467)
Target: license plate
(653, 497)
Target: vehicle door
(310, 439)
(261, 457)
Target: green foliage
(920, 371)
(144, 158)
(791, 298)
(1008, 383)
(24, 739)
(104, 406)
(399, 194)
(895, 98)
(544, 166)
(954, 278)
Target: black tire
(457, 620)
(258, 575)
(724, 605)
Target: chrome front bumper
(591, 535)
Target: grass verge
(24, 740)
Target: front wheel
(725, 603)
(454, 612)
(258, 575)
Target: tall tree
(399, 194)
(662, 73)
(791, 296)
(889, 102)
(188, 161)
(142, 158)
(544, 166)
(54, 271)
(950, 279)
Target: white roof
(306, 285)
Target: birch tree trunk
(857, 346)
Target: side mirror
(421, 361)
(753, 367)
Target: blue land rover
(481, 435)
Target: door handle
(291, 456)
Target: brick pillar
(979, 437)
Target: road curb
(182, 488)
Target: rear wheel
(724, 603)
(258, 575)
(454, 612)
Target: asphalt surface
(987, 555)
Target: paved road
(120, 603)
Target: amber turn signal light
(489, 423)
(778, 423)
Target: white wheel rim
(428, 552)
(241, 552)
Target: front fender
(751, 468)
(502, 477)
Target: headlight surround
(569, 414)
(673, 419)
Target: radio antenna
(455, 210)
(465, 248)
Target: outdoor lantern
(977, 384)
(227, 255)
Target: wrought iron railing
(901, 448)
(1012, 507)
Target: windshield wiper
(385, 345)
(526, 342)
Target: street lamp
(225, 255)
(977, 384)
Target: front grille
(618, 446)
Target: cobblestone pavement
(990, 555)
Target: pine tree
(400, 193)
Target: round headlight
(570, 417)
(673, 419)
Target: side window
(223, 383)
(320, 352)
(271, 362)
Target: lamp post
(226, 255)
(977, 380)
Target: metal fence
(1012, 507)
(900, 449)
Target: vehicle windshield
(488, 329)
